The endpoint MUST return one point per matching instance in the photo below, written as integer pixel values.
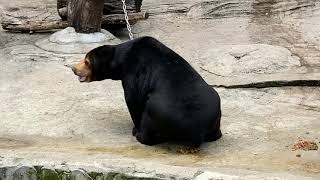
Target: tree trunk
(85, 15)
(62, 4)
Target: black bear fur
(167, 99)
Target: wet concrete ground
(49, 118)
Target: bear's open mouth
(82, 78)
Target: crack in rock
(267, 84)
(211, 72)
(241, 55)
(256, 59)
(164, 8)
(230, 8)
(25, 53)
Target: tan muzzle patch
(82, 70)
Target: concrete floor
(49, 118)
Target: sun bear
(167, 99)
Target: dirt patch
(140, 151)
(187, 150)
(305, 145)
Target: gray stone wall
(42, 173)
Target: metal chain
(127, 19)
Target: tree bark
(109, 7)
(85, 15)
(33, 26)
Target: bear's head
(83, 70)
(98, 64)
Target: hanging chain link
(127, 18)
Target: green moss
(3, 172)
(95, 175)
(40, 173)
(47, 174)
(29, 171)
(38, 168)
(109, 176)
(65, 175)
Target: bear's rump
(172, 121)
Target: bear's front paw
(135, 131)
(139, 137)
(143, 139)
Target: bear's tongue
(81, 79)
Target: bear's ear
(101, 56)
(108, 52)
(109, 55)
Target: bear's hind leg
(135, 131)
(147, 134)
(196, 141)
(215, 133)
(213, 136)
(148, 138)
(145, 138)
